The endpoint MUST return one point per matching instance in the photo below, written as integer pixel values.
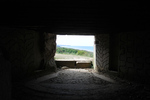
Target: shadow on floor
(79, 84)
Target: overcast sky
(75, 40)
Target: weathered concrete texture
(134, 56)
(21, 50)
(102, 52)
(50, 49)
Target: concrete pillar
(102, 52)
(94, 55)
(50, 49)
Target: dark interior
(121, 30)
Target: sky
(75, 40)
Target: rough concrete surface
(80, 84)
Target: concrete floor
(79, 84)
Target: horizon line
(75, 45)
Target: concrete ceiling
(73, 16)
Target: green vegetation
(62, 50)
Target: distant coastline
(87, 48)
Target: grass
(71, 57)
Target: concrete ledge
(83, 65)
(70, 64)
(73, 63)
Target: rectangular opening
(75, 51)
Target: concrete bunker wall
(128, 53)
(19, 48)
(27, 51)
(134, 55)
(49, 51)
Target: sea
(87, 48)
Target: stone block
(71, 64)
(122, 57)
(83, 65)
(123, 69)
(131, 65)
(130, 60)
(139, 60)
